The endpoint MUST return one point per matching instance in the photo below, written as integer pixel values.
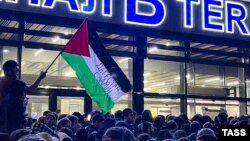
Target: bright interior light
(78, 88)
(167, 44)
(56, 39)
(5, 51)
(188, 76)
(233, 83)
(123, 60)
(145, 81)
(212, 79)
(159, 84)
(69, 73)
(177, 78)
(38, 52)
(66, 33)
(153, 49)
(88, 117)
(47, 87)
(146, 74)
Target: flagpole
(62, 49)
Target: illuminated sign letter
(188, 12)
(236, 14)
(153, 17)
(34, 2)
(12, 1)
(72, 4)
(88, 7)
(211, 15)
(107, 8)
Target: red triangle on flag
(78, 44)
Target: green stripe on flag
(88, 80)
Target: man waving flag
(103, 80)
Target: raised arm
(32, 88)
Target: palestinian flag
(103, 80)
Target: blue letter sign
(134, 16)
(210, 15)
(236, 15)
(72, 4)
(188, 12)
(89, 7)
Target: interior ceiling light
(212, 79)
(56, 39)
(153, 49)
(38, 52)
(146, 74)
(123, 60)
(5, 51)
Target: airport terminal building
(180, 55)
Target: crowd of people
(124, 125)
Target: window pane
(163, 77)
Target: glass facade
(179, 74)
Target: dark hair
(147, 116)
(9, 65)
(81, 134)
(222, 117)
(158, 123)
(143, 137)
(46, 112)
(207, 138)
(118, 115)
(163, 134)
(17, 134)
(119, 134)
(79, 116)
(126, 112)
(194, 126)
(67, 131)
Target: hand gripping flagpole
(63, 48)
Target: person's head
(81, 135)
(171, 125)
(222, 117)
(146, 127)
(10, 68)
(163, 134)
(194, 126)
(31, 137)
(184, 117)
(179, 121)
(118, 115)
(64, 122)
(46, 112)
(73, 119)
(128, 115)
(67, 131)
(108, 123)
(198, 118)
(205, 132)
(17, 134)
(207, 138)
(118, 134)
(147, 116)
(98, 120)
(179, 134)
(50, 119)
(208, 125)
(143, 137)
(137, 120)
(79, 116)
(158, 122)
(45, 136)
